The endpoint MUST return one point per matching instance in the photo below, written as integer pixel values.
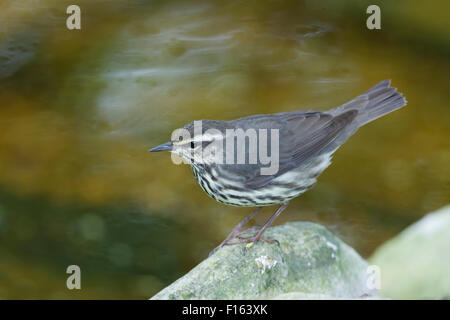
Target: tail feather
(374, 103)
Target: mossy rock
(416, 263)
(309, 259)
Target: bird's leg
(258, 236)
(249, 230)
(237, 230)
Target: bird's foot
(228, 241)
(237, 231)
(251, 240)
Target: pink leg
(258, 236)
(237, 230)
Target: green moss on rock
(309, 260)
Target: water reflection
(80, 109)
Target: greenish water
(79, 109)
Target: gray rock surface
(310, 262)
(416, 263)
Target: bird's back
(306, 141)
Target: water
(80, 109)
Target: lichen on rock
(309, 259)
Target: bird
(306, 143)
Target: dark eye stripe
(192, 144)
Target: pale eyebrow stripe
(179, 143)
(198, 138)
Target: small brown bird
(306, 142)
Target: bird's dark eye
(192, 145)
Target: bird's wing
(301, 136)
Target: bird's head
(196, 142)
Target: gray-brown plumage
(307, 139)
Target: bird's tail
(374, 103)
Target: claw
(237, 231)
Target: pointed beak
(163, 147)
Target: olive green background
(79, 109)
